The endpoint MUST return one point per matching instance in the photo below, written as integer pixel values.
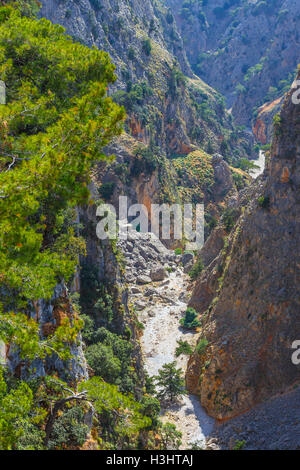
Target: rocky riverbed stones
(158, 274)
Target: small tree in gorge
(170, 382)
(170, 437)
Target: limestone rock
(158, 274)
(187, 258)
(143, 279)
(139, 305)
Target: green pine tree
(170, 382)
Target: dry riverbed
(159, 342)
(160, 299)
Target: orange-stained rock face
(147, 191)
(137, 131)
(263, 126)
(192, 375)
(259, 130)
(62, 310)
(178, 142)
(285, 176)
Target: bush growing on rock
(145, 161)
(264, 201)
(239, 445)
(103, 361)
(120, 418)
(201, 346)
(106, 190)
(229, 217)
(69, 429)
(183, 348)
(131, 54)
(170, 437)
(196, 269)
(247, 165)
(151, 408)
(146, 46)
(190, 320)
(109, 355)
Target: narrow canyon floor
(159, 342)
(160, 304)
(260, 164)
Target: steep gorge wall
(248, 296)
(252, 45)
(263, 123)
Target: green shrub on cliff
(264, 201)
(106, 190)
(146, 46)
(15, 407)
(229, 218)
(183, 348)
(145, 161)
(170, 437)
(123, 416)
(103, 361)
(69, 430)
(201, 346)
(190, 319)
(196, 269)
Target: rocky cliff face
(245, 49)
(172, 114)
(248, 296)
(50, 315)
(263, 124)
(166, 103)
